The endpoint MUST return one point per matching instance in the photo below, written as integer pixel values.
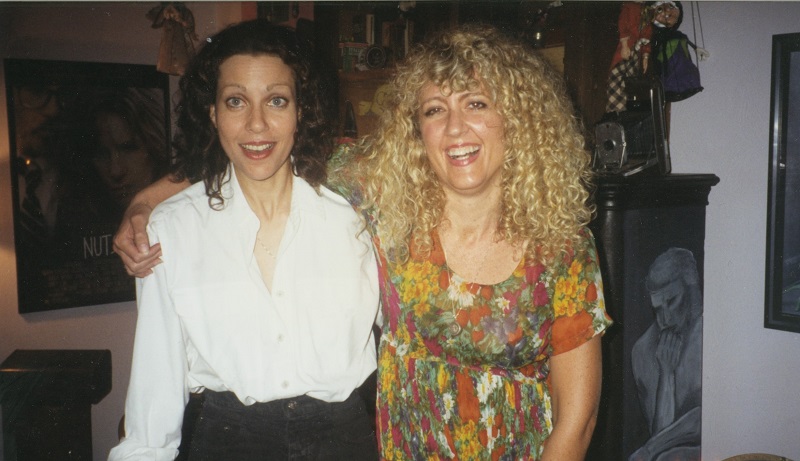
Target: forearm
(575, 386)
(569, 442)
(159, 191)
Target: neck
(269, 198)
(472, 218)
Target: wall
(750, 374)
(107, 32)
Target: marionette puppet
(670, 55)
(630, 57)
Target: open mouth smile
(463, 152)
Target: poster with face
(85, 138)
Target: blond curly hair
(546, 172)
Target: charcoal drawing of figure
(667, 360)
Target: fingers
(132, 245)
(142, 265)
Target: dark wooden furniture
(638, 218)
(47, 397)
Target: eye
(234, 102)
(431, 111)
(129, 146)
(478, 105)
(279, 101)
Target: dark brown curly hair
(198, 153)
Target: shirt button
(279, 293)
(292, 404)
(285, 384)
(280, 338)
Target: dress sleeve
(578, 302)
(341, 175)
(157, 392)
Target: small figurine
(177, 41)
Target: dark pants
(300, 428)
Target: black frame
(782, 292)
(77, 267)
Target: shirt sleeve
(157, 392)
(578, 302)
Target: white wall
(750, 374)
(106, 32)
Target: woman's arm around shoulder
(130, 241)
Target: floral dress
(463, 368)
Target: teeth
(258, 148)
(462, 152)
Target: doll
(177, 42)
(671, 60)
(631, 55)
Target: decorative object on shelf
(634, 141)
(375, 57)
(350, 127)
(782, 292)
(670, 58)
(177, 41)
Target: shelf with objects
(367, 39)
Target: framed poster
(782, 291)
(85, 137)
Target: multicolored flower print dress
(463, 367)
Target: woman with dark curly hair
(268, 292)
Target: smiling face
(463, 138)
(255, 114)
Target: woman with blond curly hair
(474, 188)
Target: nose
(116, 165)
(455, 122)
(257, 119)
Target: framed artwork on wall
(782, 293)
(85, 137)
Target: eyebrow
(463, 96)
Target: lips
(258, 150)
(462, 152)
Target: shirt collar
(306, 203)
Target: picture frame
(782, 292)
(84, 138)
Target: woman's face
(463, 137)
(122, 160)
(255, 114)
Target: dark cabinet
(638, 219)
(47, 398)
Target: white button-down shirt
(207, 321)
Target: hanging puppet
(177, 41)
(671, 58)
(630, 57)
